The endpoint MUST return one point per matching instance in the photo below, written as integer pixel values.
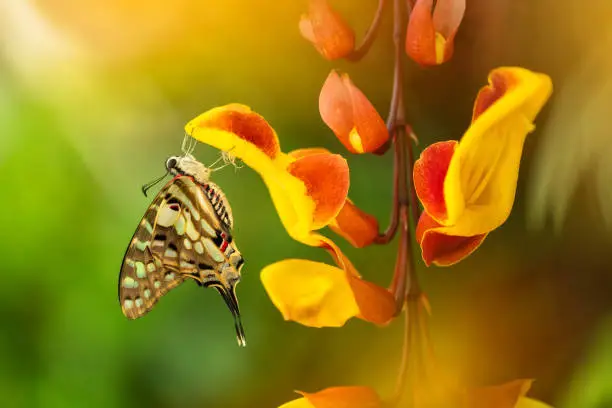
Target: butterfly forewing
(178, 238)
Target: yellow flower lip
(467, 188)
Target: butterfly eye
(171, 163)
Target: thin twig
(370, 35)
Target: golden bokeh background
(93, 98)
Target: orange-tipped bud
(350, 115)
(429, 38)
(327, 30)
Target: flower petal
(350, 115)
(326, 177)
(356, 226)
(307, 151)
(237, 128)
(311, 293)
(499, 396)
(298, 403)
(421, 34)
(481, 180)
(447, 17)
(327, 30)
(376, 304)
(530, 403)
(344, 397)
(430, 39)
(429, 173)
(319, 295)
(440, 247)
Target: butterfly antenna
(150, 184)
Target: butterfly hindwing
(178, 238)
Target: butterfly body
(185, 234)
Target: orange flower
(429, 39)
(509, 395)
(309, 189)
(467, 187)
(350, 115)
(425, 383)
(337, 397)
(327, 31)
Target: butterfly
(186, 233)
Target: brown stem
(370, 35)
(400, 282)
(395, 121)
(405, 285)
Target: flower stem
(395, 123)
(405, 285)
(370, 35)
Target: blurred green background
(93, 98)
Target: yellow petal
(298, 403)
(529, 403)
(440, 48)
(311, 293)
(481, 180)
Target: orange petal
(344, 397)
(231, 126)
(356, 226)
(307, 151)
(376, 305)
(442, 249)
(447, 17)
(500, 82)
(429, 39)
(339, 258)
(429, 173)
(326, 177)
(421, 34)
(327, 30)
(499, 396)
(350, 115)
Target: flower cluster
(466, 188)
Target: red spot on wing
(223, 246)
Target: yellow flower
(309, 189)
(467, 188)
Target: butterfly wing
(178, 238)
